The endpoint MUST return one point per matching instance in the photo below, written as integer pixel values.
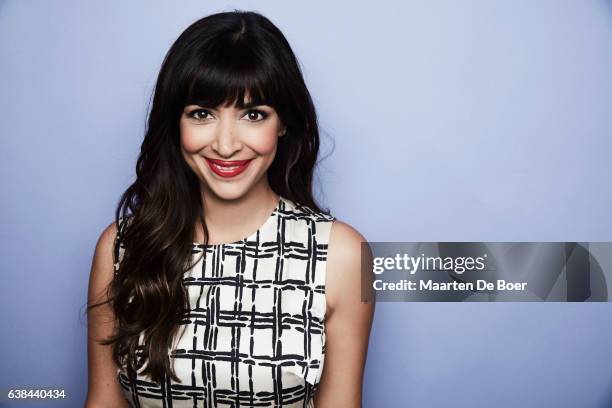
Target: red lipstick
(227, 168)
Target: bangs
(230, 74)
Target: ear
(282, 132)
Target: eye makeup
(261, 114)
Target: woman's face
(229, 149)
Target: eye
(199, 114)
(256, 115)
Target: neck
(229, 220)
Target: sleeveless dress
(254, 335)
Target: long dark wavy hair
(217, 59)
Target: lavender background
(445, 121)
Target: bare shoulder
(344, 264)
(344, 236)
(102, 268)
(103, 389)
(106, 239)
(103, 261)
(348, 320)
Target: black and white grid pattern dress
(254, 335)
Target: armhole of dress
(118, 245)
(325, 237)
(329, 223)
(324, 229)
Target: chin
(227, 192)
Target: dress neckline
(251, 236)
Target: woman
(225, 284)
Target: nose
(227, 141)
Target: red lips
(227, 168)
(229, 163)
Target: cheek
(264, 143)
(191, 141)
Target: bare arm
(348, 322)
(103, 388)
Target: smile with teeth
(225, 168)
